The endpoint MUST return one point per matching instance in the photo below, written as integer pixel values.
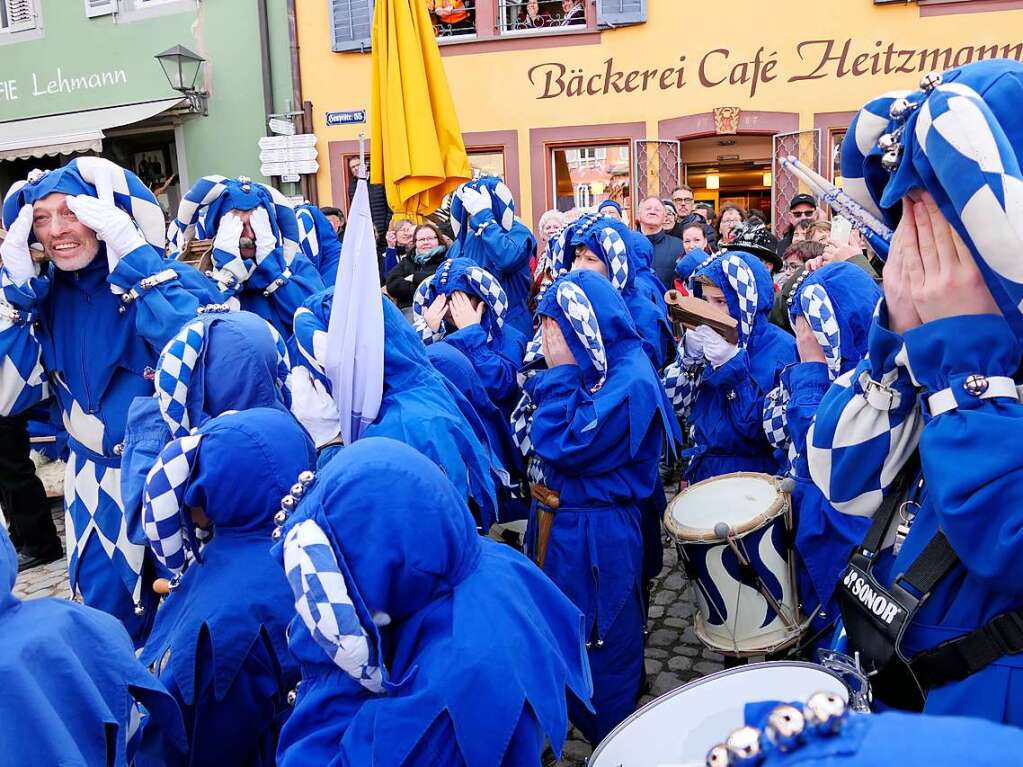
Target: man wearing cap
(802, 207)
(87, 327)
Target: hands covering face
(555, 347)
(931, 273)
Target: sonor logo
(884, 608)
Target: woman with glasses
(729, 218)
(428, 251)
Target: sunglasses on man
(802, 213)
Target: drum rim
(708, 678)
(698, 535)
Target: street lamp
(182, 68)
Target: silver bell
(306, 478)
(718, 756)
(140, 610)
(276, 534)
(899, 109)
(292, 696)
(744, 747)
(785, 726)
(297, 490)
(890, 160)
(930, 81)
(280, 517)
(824, 713)
(288, 502)
(887, 141)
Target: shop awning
(74, 131)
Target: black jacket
(403, 279)
(667, 252)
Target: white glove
(266, 240)
(229, 232)
(14, 251)
(475, 200)
(692, 344)
(111, 225)
(716, 350)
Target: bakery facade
(637, 96)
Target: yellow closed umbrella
(417, 151)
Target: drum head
(680, 727)
(735, 499)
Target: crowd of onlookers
(458, 17)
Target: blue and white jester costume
(492, 237)
(218, 642)
(945, 389)
(593, 434)
(221, 360)
(418, 407)
(278, 278)
(723, 406)
(491, 426)
(319, 241)
(420, 642)
(91, 337)
(838, 303)
(603, 236)
(494, 347)
(72, 685)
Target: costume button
(976, 385)
(118, 449)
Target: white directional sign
(283, 127)
(288, 155)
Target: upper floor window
(17, 15)
(452, 18)
(531, 15)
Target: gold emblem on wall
(726, 120)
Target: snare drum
(732, 533)
(680, 727)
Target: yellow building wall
(776, 56)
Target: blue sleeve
(162, 308)
(23, 381)
(970, 454)
(285, 286)
(734, 385)
(507, 252)
(390, 260)
(330, 259)
(497, 371)
(325, 710)
(570, 430)
(867, 426)
(806, 383)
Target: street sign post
(349, 117)
(288, 155)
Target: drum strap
(860, 596)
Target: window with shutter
(618, 13)
(19, 15)
(100, 7)
(351, 24)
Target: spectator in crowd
(802, 207)
(319, 241)
(551, 224)
(667, 249)
(706, 210)
(428, 252)
(682, 198)
(695, 247)
(611, 208)
(820, 231)
(399, 239)
(670, 218)
(337, 219)
(801, 232)
(729, 218)
(574, 12)
(799, 253)
(531, 16)
(378, 207)
(23, 498)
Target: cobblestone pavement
(674, 656)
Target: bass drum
(680, 727)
